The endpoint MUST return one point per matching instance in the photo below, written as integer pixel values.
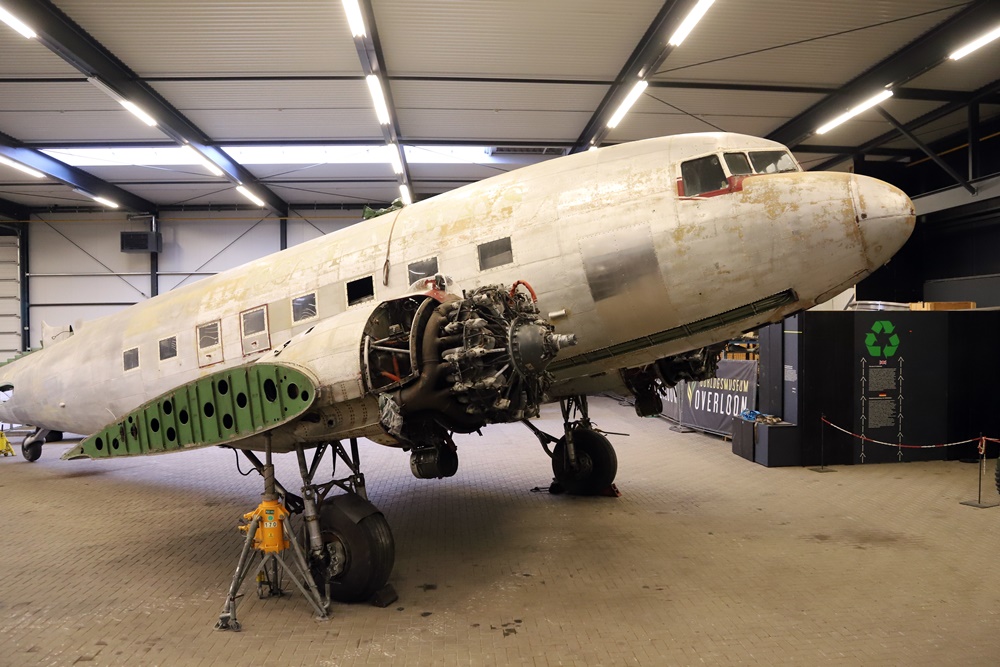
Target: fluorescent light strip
(100, 200)
(16, 24)
(249, 195)
(20, 167)
(203, 161)
(627, 103)
(138, 113)
(864, 106)
(404, 193)
(354, 17)
(689, 22)
(378, 98)
(976, 44)
(397, 166)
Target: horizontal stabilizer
(215, 410)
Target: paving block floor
(706, 559)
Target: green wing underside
(215, 410)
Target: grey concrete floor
(705, 559)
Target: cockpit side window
(772, 162)
(703, 175)
(738, 164)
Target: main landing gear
(583, 461)
(347, 548)
(31, 446)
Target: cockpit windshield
(772, 162)
(704, 176)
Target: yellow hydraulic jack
(268, 533)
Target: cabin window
(772, 162)
(495, 253)
(425, 268)
(738, 164)
(360, 290)
(304, 307)
(130, 359)
(256, 337)
(168, 348)
(703, 175)
(208, 336)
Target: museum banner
(710, 405)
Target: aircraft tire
(31, 451)
(597, 463)
(368, 547)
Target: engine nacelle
(440, 364)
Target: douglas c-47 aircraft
(621, 268)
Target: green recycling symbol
(872, 339)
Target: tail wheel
(596, 462)
(360, 549)
(32, 451)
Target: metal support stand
(269, 534)
(822, 449)
(978, 503)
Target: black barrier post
(982, 473)
(822, 447)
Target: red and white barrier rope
(981, 440)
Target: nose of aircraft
(885, 215)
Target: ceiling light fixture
(118, 97)
(976, 44)
(689, 22)
(404, 193)
(864, 106)
(378, 98)
(397, 165)
(354, 17)
(100, 200)
(249, 195)
(203, 161)
(16, 24)
(20, 167)
(627, 103)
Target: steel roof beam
(14, 211)
(373, 62)
(927, 151)
(917, 57)
(74, 177)
(916, 123)
(68, 40)
(648, 55)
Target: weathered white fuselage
(612, 250)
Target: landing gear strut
(348, 547)
(583, 461)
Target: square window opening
(304, 307)
(168, 348)
(495, 253)
(130, 359)
(360, 290)
(738, 164)
(254, 322)
(209, 336)
(425, 268)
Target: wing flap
(214, 410)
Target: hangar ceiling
(274, 96)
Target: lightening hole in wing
(241, 400)
(114, 443)
(183, 416)
(227, 421)
(293, 390)
(171, 434)
(154, 425)
(209, 409)
(305, 395)
(99, 444)
(270, 390)
(223, 387)
(168, 406)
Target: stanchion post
(822, 447)
(978, 503)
